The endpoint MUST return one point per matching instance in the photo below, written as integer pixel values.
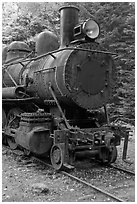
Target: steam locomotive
(50, 102)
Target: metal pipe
(13, 92)
(83, 147)
(56, 51)
(86, 153)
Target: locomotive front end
(89, 76)
(79, 71)
(88, 72)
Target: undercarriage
(63, 139)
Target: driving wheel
(13, 120)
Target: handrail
(56, 51)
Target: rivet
(78, 67)
(101, 91)
(103, 63)
(89, 56)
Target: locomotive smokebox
(68, 20)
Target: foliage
(23, 20)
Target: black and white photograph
(68, 101)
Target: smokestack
(68, 20)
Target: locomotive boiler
(51, 101)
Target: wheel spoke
(13, 118)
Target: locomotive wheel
(13, 119)
(108, 155)
(11, 142)
(56, 157)
(13, 122)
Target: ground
(24, 181)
